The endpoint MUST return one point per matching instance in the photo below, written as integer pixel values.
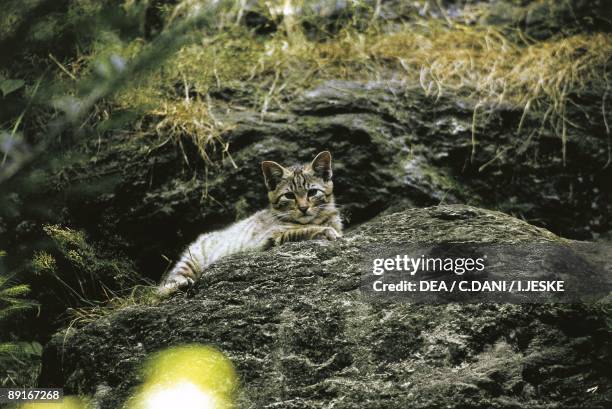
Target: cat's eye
(313, 192)
(289, 195)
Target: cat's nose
(303, 209)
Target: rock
(545, 19)
(538, 19)
(300, 333)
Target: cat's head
(300, 194)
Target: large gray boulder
(302, 335)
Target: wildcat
(301, 208)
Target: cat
(302, 207)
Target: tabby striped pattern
(302, 207)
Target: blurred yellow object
(69, 402)
(186, 377)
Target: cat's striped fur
(302, 207)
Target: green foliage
(20, 364)
(104, 75)
(71, 243)
(92, 282)
(19, 361)
(86, 273)
(11, 301)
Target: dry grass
(479, 62)
(490, 65)
(538, 77)
(140, 295)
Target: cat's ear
(273, 173)
(321, 165)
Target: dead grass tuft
(140, 295)
(482, 63)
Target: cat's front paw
(276, 239)
(328, 233)
(175, 283)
